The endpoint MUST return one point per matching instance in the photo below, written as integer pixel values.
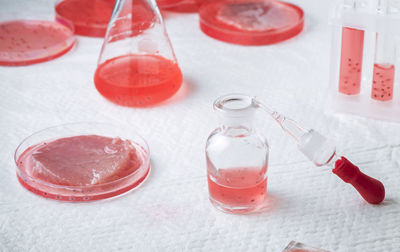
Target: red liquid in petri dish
(25, 42)
(383, 81)
(98, 166)
(238, 189)
(187, 6)
(351, 61)
(258, 22)
(138, 80)
(166, 3)
(90, 17)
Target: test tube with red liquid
(351, 59)
(384, 65)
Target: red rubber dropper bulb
(372, 190)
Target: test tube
(384, 65)
(351, 57)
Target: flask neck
(237, 130)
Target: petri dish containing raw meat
(251, 22)
(82, 162)
(25, 42)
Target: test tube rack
(363, 17)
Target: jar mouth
(235, 104)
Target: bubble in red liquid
(89, 17)
(138, 80)
(25, 42)
(81, 160)
(383, 82)
(351, 61)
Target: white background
(171, 211)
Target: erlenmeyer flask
(137, 66)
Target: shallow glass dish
(251, 22)
(77, 193)
(26, 41)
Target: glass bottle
(137, 65)
(237, 157)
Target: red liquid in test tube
(382, 84)
(351, 61)
(385, 58)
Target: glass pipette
(322, 152)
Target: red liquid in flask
(138, 80)
(90, 17)
(238, 189)
(351, 61)
(383, 81)
(24, 42)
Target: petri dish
(186, 6)
(168, 3)
(82, 161)
(90, 17)
(251, 22)
(25, 42)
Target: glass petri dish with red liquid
(90, 17)
(168, 3)
(137, 66)
(251, 22)
(82, 161)
(186, 6)
(29, 41)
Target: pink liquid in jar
(351, 61)
(238, 190)
(383, 81)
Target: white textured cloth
(171, 211)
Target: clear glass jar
(237, 157)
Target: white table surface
(171, 211)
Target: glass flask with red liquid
(137, 66)
(237, 158)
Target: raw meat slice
(84, 160)
(257, 16)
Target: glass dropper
(322, 152)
